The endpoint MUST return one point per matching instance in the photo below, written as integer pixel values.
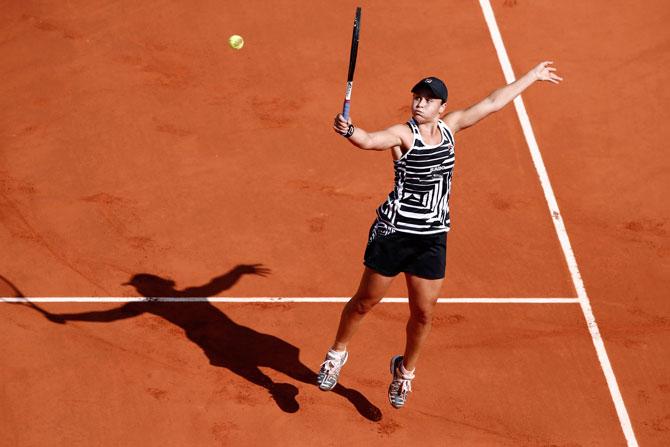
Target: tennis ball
(236, 42)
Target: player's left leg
(423, 295)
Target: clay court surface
(134, 140)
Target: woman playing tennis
(410, 232)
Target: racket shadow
(8, 289)
(226, 344)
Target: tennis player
(409, 234)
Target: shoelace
(329, 367)
(405, 387)
(402, 386)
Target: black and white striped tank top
(419, 202)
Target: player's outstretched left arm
(461, 119)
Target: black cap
(435, 85)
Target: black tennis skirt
(390, 252)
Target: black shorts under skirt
(390, 252)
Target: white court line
(272, 299)
(559, 226)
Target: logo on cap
(427, 80)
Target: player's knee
(362, 305)
(422, 316)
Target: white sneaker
(330, 370)
(401, 385)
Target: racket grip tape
(345, 108)
(347, 100)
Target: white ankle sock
(337, 354)
(405, 372)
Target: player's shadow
(226, 343)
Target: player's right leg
(371, 290)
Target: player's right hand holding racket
(341, 124)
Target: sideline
(561, 232)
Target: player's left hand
(544, 72)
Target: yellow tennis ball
(236, 41)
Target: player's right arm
(394, 136)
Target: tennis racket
(352, 63)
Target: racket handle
(345, 108)
(347, 100)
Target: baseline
(269, 299)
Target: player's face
(426, 108)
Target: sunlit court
(187, 207)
